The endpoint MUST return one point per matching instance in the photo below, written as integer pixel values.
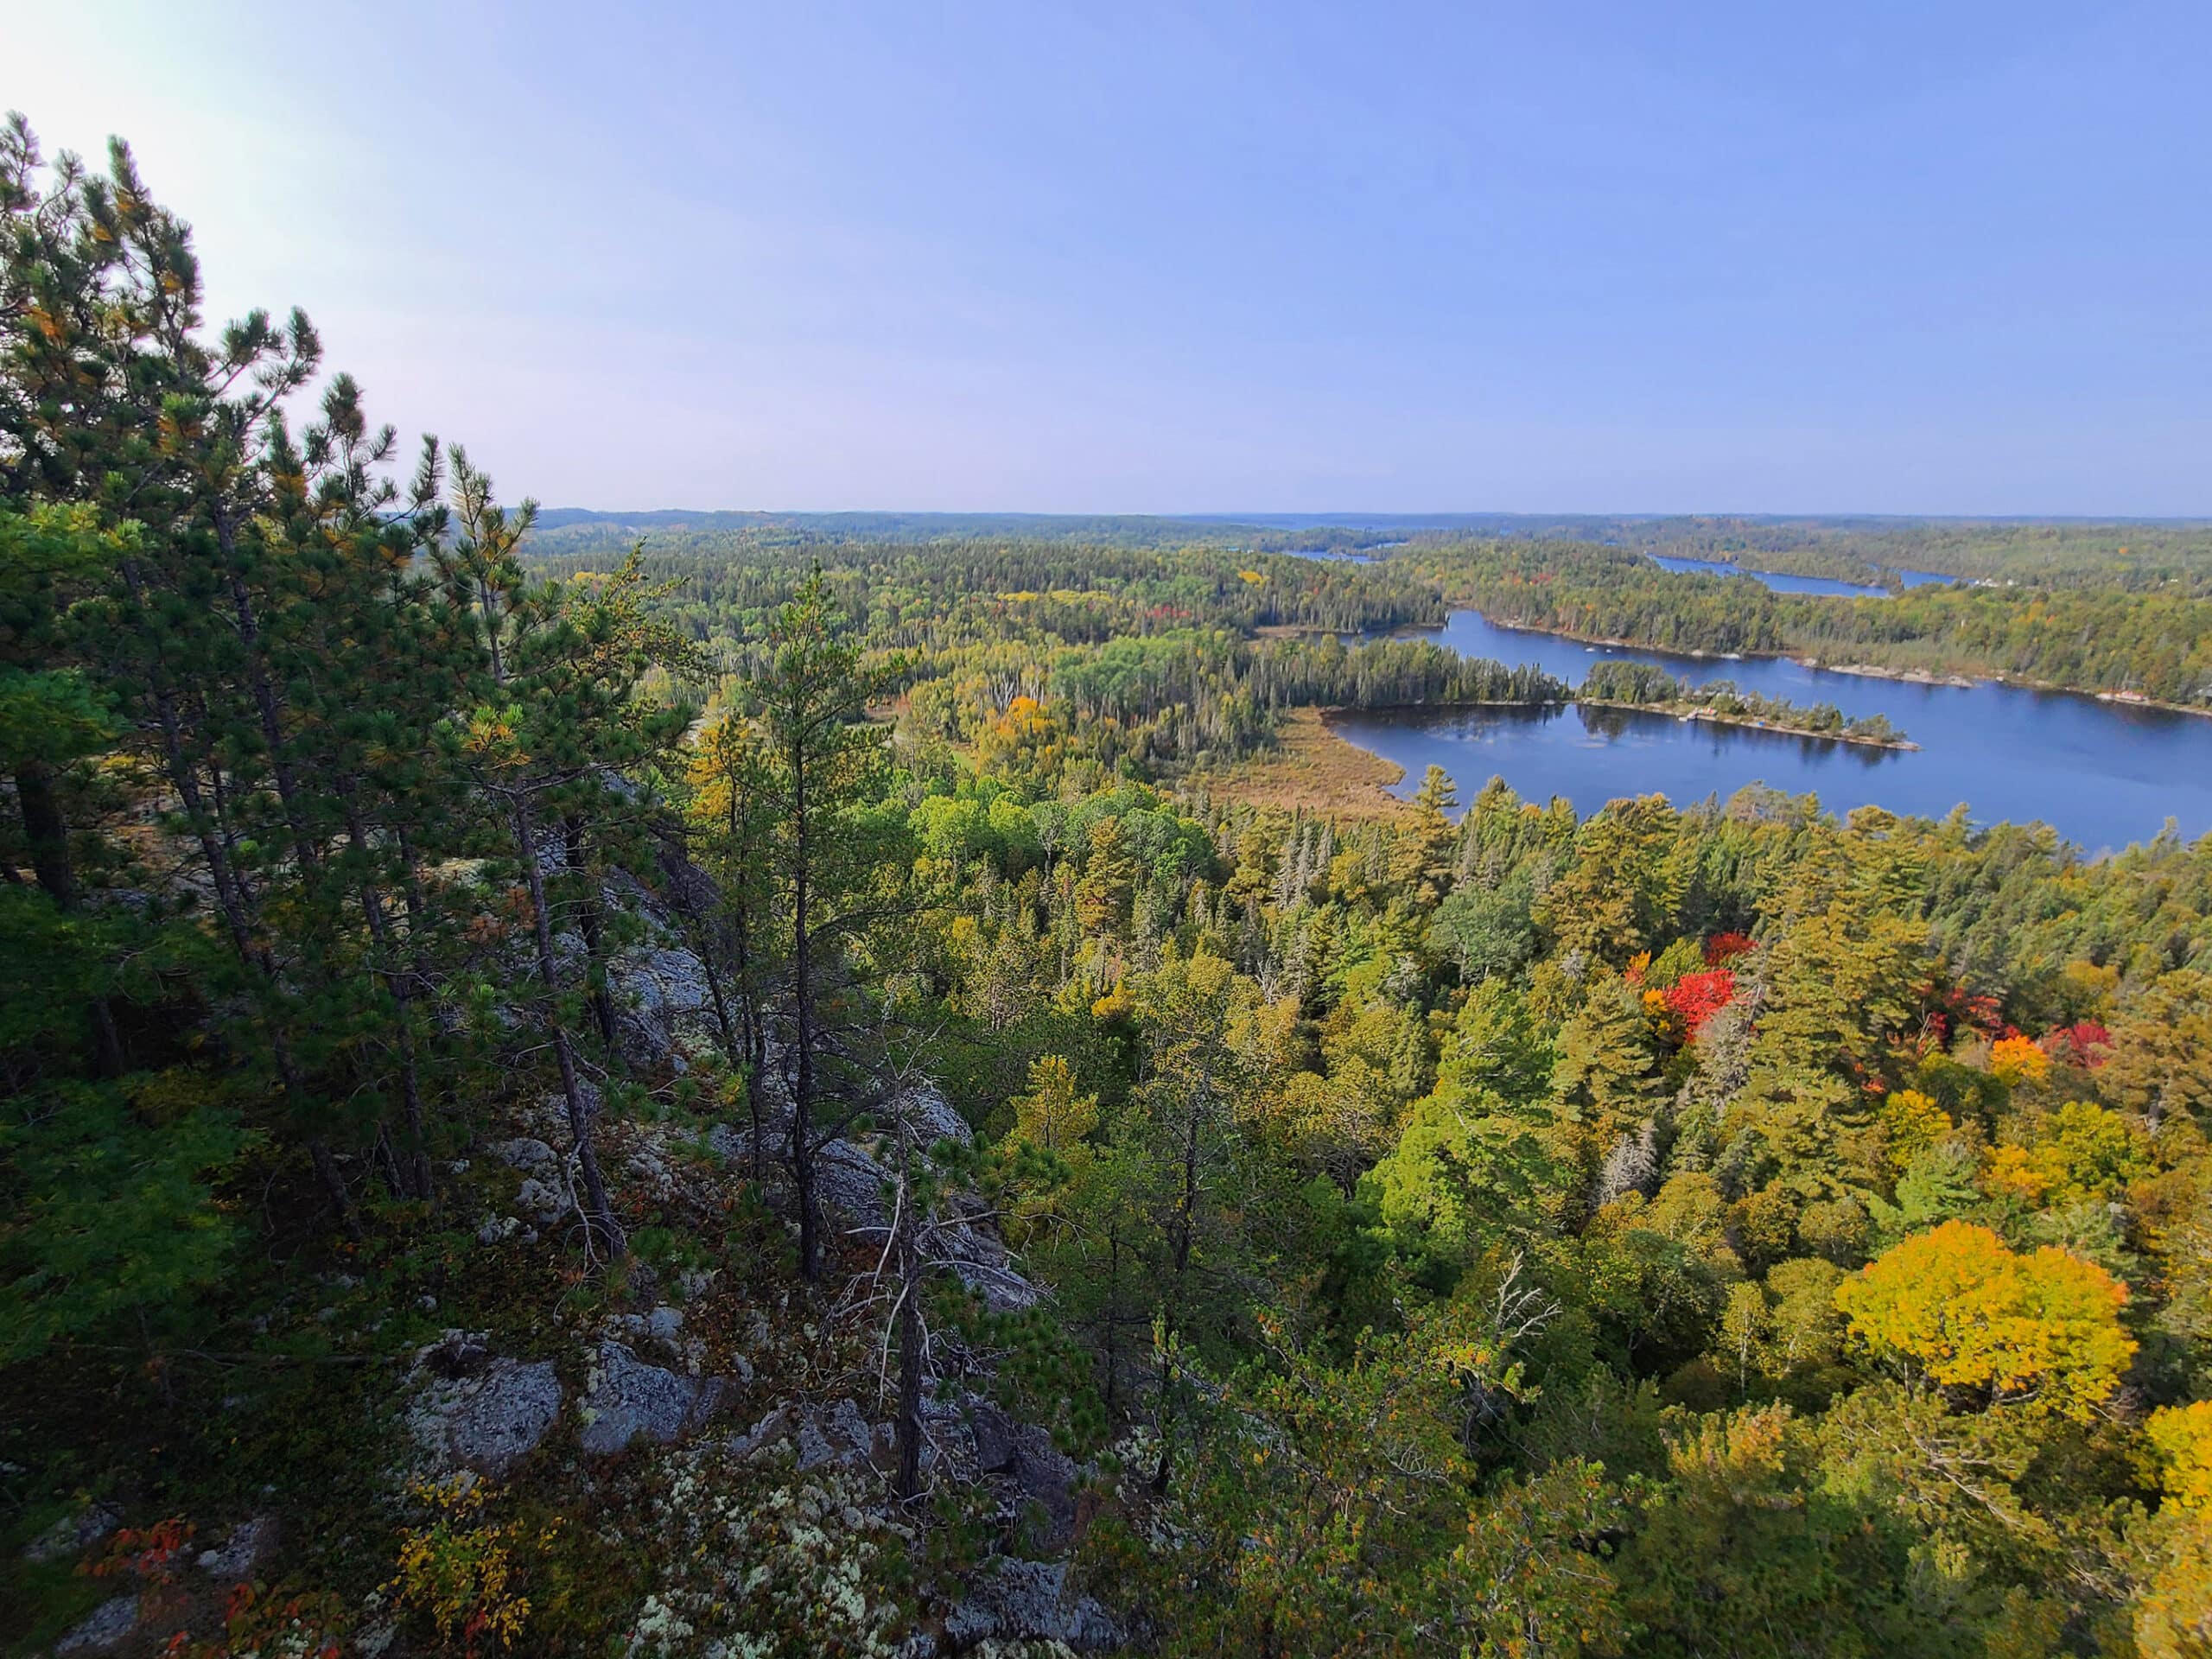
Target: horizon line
(1353, 519)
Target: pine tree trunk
(48, 833)
(264, 696)
(231, 898)
(602, 1005)
(47, 830)
(801, 1135)
(908, 1245)
(599, 1213)
(415, 1179)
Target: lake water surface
(1782, 584)
(2103, 774)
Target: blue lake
(1783, 584)
(2103, 774)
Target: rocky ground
(697, 1415)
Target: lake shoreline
(1688, 712)
(1711, 716)
(1865, 670)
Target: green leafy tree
(1744, 1553)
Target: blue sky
(1945, 257)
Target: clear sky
(1942, 256)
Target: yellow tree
(2172, 1612)
(1051, 1116)
(1956, 1308)
(2181, 1437)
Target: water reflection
(2103, 774)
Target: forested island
(1639, 685)
(756, 1088)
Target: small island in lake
(1641, 685)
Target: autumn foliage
(1956, 1307)
(1695, 998)
(2015, 1058)
(2084, 1043)
(2181, 1437)
(1726, 947)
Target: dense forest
(2132, 555)
(2134, 631)
(746, 1096)
(2153, 642)
(2066, 553)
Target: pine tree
(823, 763)
(559, 723)
(1603, 1076)
(731, 831)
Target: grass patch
(1311, 767)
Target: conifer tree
(823, 763)
(731, 831)
(1603, 1076)
(558, 722)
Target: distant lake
(2103, 774)
(1782, 584)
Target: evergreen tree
(1603, 1076)
(823, 763)
(557, 725)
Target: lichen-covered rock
(110, 1626)
(1027, 1601)
(530, 1156)
(846, 1178)
(250, 1544)
(934, 1118)
(842, 1436)
(648, 1173)
(662, 1001)
(772, 1430)
(478, 1411)
(72, 1535)
(629, 1399)
(543, 1202)
(978, 1259)
(1024, 1455)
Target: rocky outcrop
(662, 1004)
(975, 1257)
(629, 1400)
(934, 1117)
(1041, 1474)
(532, 1157)
(108, 1628)
(846, 1178)
(542, 1198)
(478, 1411)
(1027, 1601)
(72, 1535)
(841, 1435)
(250, 1544)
